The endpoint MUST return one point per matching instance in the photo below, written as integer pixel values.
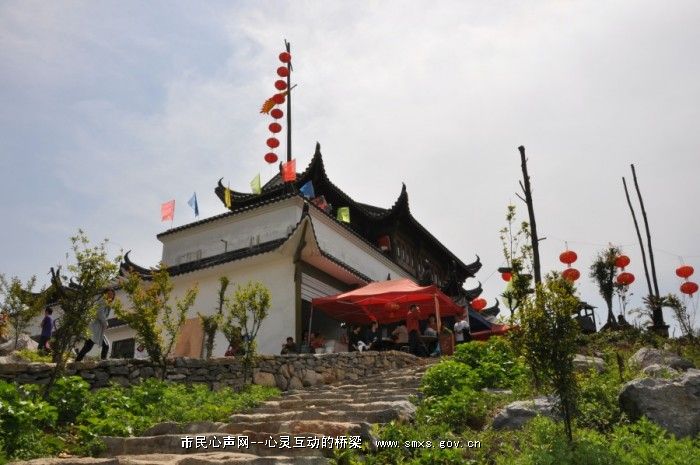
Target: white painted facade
(310, 238)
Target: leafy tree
(210, 323)
(685, 319)
(88, 275)
(517, 251)
(603, 272)
(247, 310)
(549, 338)
(19, 305)
(155, 319)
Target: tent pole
(308, 334)
(438, 320)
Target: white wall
(261, 225)
(341, 244)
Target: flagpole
(289, 103)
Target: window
(124, 348)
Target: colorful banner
(343, 214)
(227, 197)
(307, 190)
(193, 203)
(167, 211)
(255, 185)
(289, 171)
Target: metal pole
(289, 103)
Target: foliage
(33, 356)
(642, 443)
(74, 417)
(23, 417)
(446, 377)
(685, 319)
(69, 395)
(210, 323)
(494, 362)
(247, 310)
(517, 250)
(461, 408)
(19, 304)
(603, 272)
(548, 336)
(152, 315)
(598, 407)
(89, 274)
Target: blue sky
(111, 108)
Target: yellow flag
(255, 184)
(343, 214)
(227, 198)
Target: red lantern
(689, 288)
(478, 304)
(273, 142)
(285, 57)
(685, 271)
(625, 279)
(622, 261)
(270, 158)
(282, 71)
(506, 276)
(276, 113)
(568, 257)
(278, 99)
(275, 127)
(280, 84)
(571, 274)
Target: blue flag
(193, 203)
(307, 190)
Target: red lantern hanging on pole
(625, 279)
(285, 57)
(622, 261)
(568, 257)
(689, 288)
(478, 304)
(571, 274)
(276, 113)
(271, 157)
(282, 71)
(506, 276)
(280, 84)
(275, 128)
(273, 142)
(685, 271)
(278, 99)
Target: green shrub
(69, 395)
(23, 416)
(464, 408)
(446, 376)
(643, 443)
(495, 362)
(33, 356)
(598, 406)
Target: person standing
(413, 328)
(46, 330)
(461, 329)
(98, 327)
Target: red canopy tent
(386, 302)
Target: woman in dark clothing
(355, 339)
(374, 337)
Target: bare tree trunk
(657, 315)
(531, 213)
(639, 236)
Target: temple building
(295, 245)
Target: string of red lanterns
(688, 287)
(568, 257)
(625, 278)
(276, 113)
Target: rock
(648, 356)
(516, 414)
(310, 378)
(672, 404)
(584, 363)
(660, 371)
(498, 391)
(23, 342)
(264, 379)
(12, 358)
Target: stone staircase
(301, 427)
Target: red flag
(289, 171)
(167, 211)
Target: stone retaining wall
(284, 371)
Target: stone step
(405, 412)
(210, 458)
(282, 405)
(368, 391)
(353, 397)
(259, 444)
(299, 427)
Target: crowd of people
(407, 336)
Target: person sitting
(461, 329)
(289, 347)
(400, 335)
(374, 336)
(305, 343)
(431, 329)
(355, 341)
(141, 353)
(317, 342)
